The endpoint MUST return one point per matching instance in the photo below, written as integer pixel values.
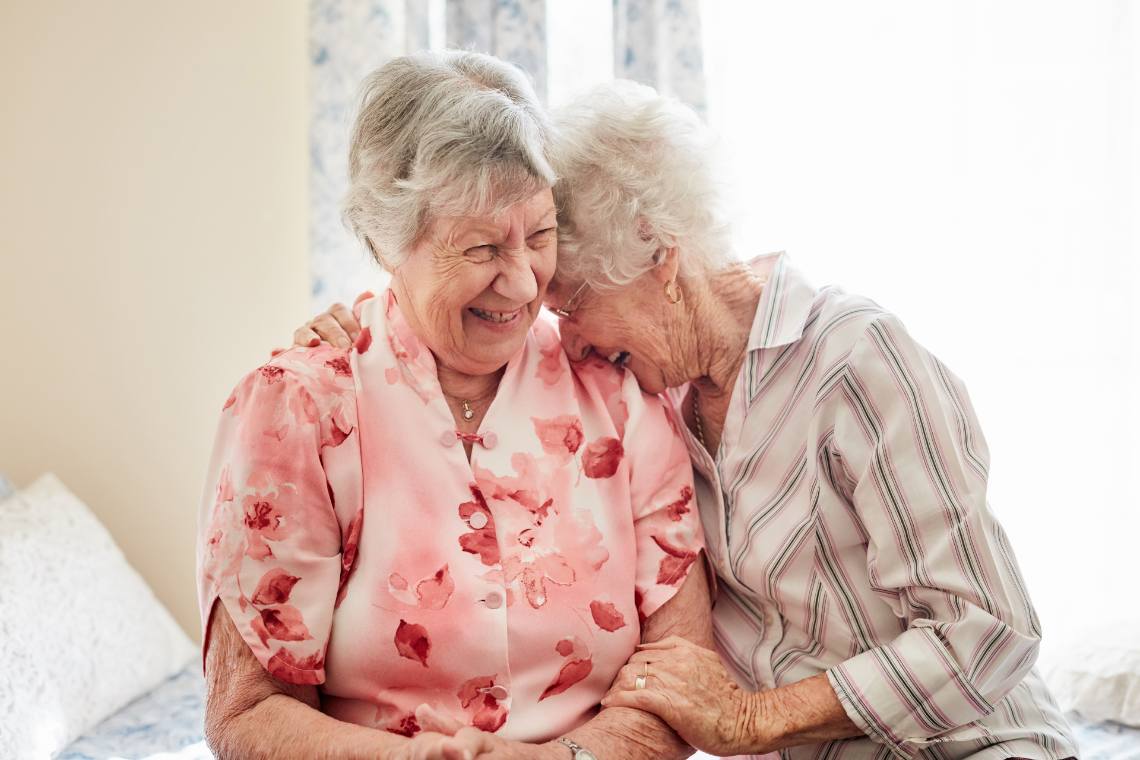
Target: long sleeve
(917, 467)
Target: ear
(667, 265)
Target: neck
(722, 310)
(463, 387)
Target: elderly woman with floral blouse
(445, 540)
(870, 604)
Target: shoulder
(840, 323)
(316, 382)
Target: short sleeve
(666, 523)
(269, 543)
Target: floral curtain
(654, 41)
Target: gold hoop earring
(672, 292)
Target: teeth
(613, 358)
(495, 316)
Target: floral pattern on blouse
(357, 549)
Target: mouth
(619, 359)
(496, 317)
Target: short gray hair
(636, 176)
(448, 133)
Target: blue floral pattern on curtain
(655, 41)
(658, 42)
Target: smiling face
(633, 325)
(472, 286)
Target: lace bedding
(166, 724)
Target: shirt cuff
(905, 693)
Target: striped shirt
(846, 515)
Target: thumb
(431, 719)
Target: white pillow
(1098, 673)
(81, 634)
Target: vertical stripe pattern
(858, 542)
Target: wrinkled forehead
(499, 215)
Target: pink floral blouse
(355, 547)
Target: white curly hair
(441, 133)
(636, 176)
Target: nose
(575, 346)
(516, 281)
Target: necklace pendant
(468, 412)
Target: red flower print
(413, 642)
(435, 591)
(560, 435)
(262, 520)
(271, 374)
(286, 667)
(489, 716)
(565, 647)
(674, 567)
(606, 615)
(407, 725)
(550, 368)
(274, 587)
(681, 506)
(602, 457)
(340, 366)
(283, 623)
(481, 541)
(364, 340)
(535, 571)
(225, 491)
(348, 554)
(571, 673)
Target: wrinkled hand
(689, 688)
(484, 746)
(444, 738)
(337, 326)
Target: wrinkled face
(630, 325)
(472, 286)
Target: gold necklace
(468, 412)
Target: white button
(477, 520)
(448, 438)
(498, 692)
(490, 440)
(494, 600)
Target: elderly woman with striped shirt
(869, 602)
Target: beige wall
(153, 170)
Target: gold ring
(639, 682)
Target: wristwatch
(580, 752)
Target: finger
(277, 352)
(669, 642)
(475, 740)
(364, 297)
(645, 700)
(330, 331)
(304, 336)
(342, 315)
(431, 719)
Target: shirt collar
(784, 304)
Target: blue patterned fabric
(347, 40)
(514, 30)
(164, 723)
(6, 487)
(658, 42)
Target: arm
(253, 716)
(625, 732)
(916, 465)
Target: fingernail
(314, 342)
